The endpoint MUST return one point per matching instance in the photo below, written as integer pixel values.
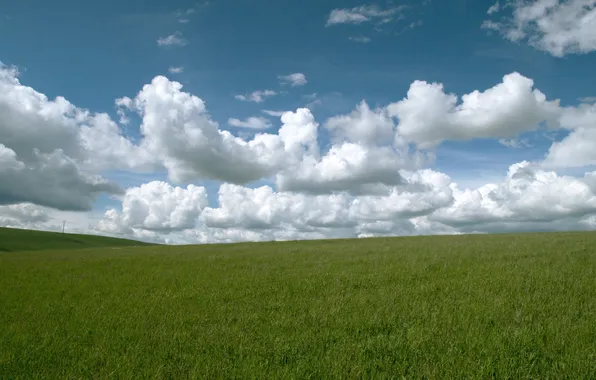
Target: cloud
(175, 70)
(274, 113)
(364, 153)
(515, 143)
(156, 206)
(258, 96)
(360, 39)
(428, 116)
(494, 8)
(578, 148)
(366, 178)
(51, 151)
(362, 14)
(174, 39)
(555, 26)
(250, 122)
(296, 79)
(527, 197)
(22, 215)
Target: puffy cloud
(296, 79)
(258, 96)
(251, 122)
(428, 116)
(526, 196)
(174, 39)
(364, 154)
(559, 27)
(428, 203)
(178, 131)
(50, 150)
(22, 215)
(262, 213)
(49, 179)
(579, 147)
(156, 206)
(362, 14)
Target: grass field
(497, 306)
(12, 239)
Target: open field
(496, 306)
(13, 239)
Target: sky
(188, 122)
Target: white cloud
(251, 122)
(577, 149)
(295, 79)
(360, 39)
(527, 197)
(559, 27)
(51, 151)
(366, 179)
(428, 116)
(494, 8)
(362, 14)
(22, 215)
(258, 96)
(364, 154)
(175, 70)
(515, 143)
(174, 39)
(274, 113)
(156, 206)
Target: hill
(12, 239)
(450, 307)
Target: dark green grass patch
(498, 306)
(12, 239)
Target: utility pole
(63, 224)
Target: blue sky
(95, 52)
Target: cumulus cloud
(578, 148)
(364, 154)
(366, 178)
(295, 79)
(559, 27)
(258, 96)
(262, 213)
(156, 206)
(22, 215)
(51, 151)
(174, 39)
(362, 14)
(251, 123)
(428, 115)
(527, 195)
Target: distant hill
(12, 239)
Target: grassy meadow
(13, 239)
(478, 306)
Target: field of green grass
(12, 239)
(494, 306)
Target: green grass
(12, 240)
(498, 306)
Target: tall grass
(497, 306)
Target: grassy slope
(501, 306)
(12, 239)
